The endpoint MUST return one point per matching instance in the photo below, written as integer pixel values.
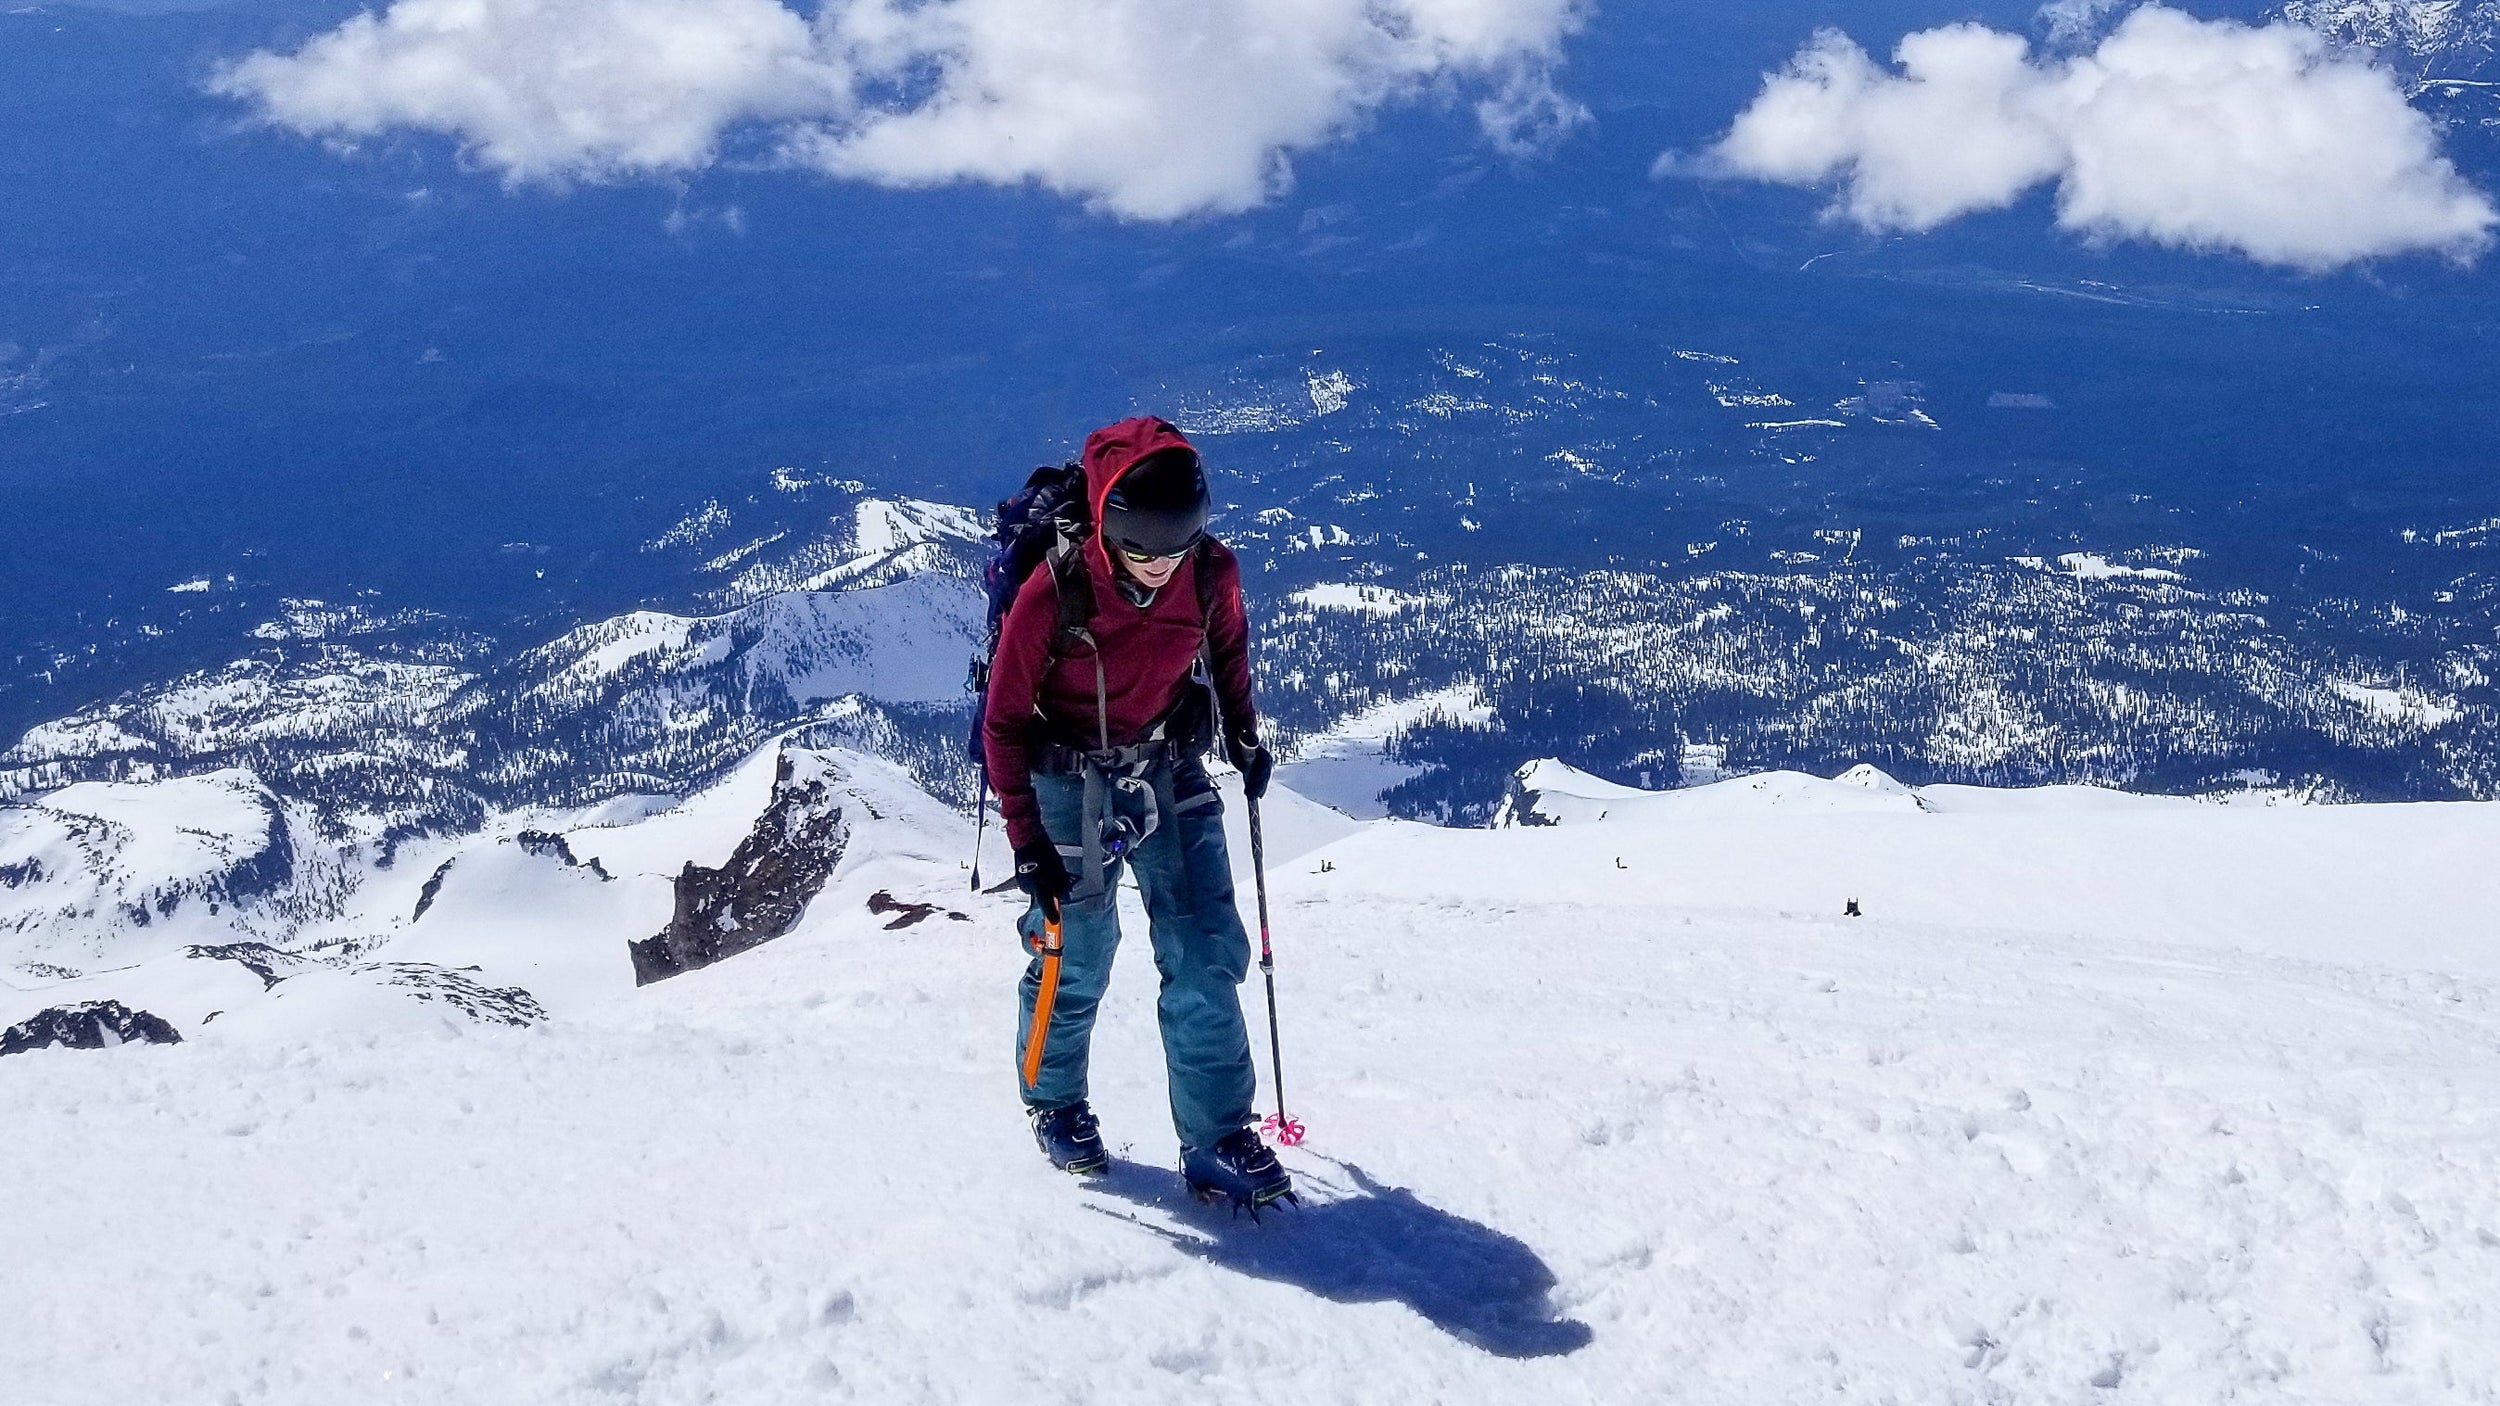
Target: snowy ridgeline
(393, 727)
(1425, 683)
(2103, 1099)
(2015, 671)
(187, 900)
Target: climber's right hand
(1042, 874)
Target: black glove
(1042, 874)
(1255, 761)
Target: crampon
(1239, 1169)
(1212, 1195)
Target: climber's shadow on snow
(1353, 1240)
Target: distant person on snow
(1096, 754)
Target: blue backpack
(1046, 520)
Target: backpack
(1048, 522)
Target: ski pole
(1047, 997)
(1286, 1130)
(980, 827)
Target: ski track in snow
(1566, 1147)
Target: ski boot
(1070, 1139)
(1239, 1169)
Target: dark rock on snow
(263, 960)
(433, 889)
(551, 846)
(906, 914)
(89, 1025)
(454, 987)
(881, 903)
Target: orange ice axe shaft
(1038, 1037)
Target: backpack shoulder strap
(1075, 587)
(1202, 671)
(1074, 584)
(1199, 557)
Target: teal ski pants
(1200, 949)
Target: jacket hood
(1112, 451)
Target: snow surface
(1349, 768)
(882, 526)
(903, 642)
(2401, 885)
(886, 541)
(1366, 600)
(2400, 705)
(2106, 1100)
(77, 866)
(2092, 566)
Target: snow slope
(1673, 1130)
(124, 870)
(901, 642)
(1348, 767)
(2394, 885)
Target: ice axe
(1049, 947)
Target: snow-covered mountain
(644, 701)
(2445, 38)
(2102, 1098)
(2449, 50)
(1411, 688)
(412, 725)
(1958, 665)
(361, 783)
(193, 902)
(491, 739)
(120, 870)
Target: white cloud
(1147, 108)
(1951, 135)
(2174, 130)
(1528, 114)
(551, 89)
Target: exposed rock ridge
(765, 888)
(89, 1025)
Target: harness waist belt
(1060, 759)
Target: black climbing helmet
(1159, 507)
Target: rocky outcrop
(433, 888)
(459, 990)
(262, 960)
(1519, 801)
(546, 845)
(89, 1025)
(765, 887)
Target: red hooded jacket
(1147, 651)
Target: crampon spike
(1243, 1205)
